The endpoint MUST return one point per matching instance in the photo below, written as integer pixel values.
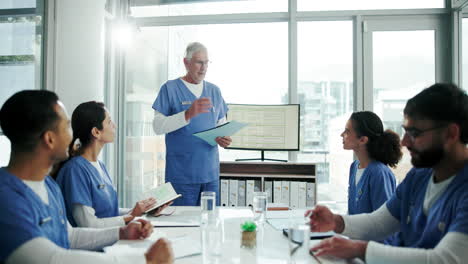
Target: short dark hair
(441, 102)
(85, 117)
(383, 146)
(26, 115)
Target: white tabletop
(272, 246)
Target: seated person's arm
(42, 250)
(96, 238)
(85, 217)
(92, 238)
(451, 249)
(373, 226)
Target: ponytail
(385, 148)
(71, 153)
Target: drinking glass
(208, 206)
(259, 206)
(298, 237)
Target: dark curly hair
(383, 146)
(441, 102)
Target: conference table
(181, 228)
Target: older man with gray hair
(185, 106)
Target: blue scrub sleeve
(224, 109)
(460, 224)
(395, 202)
(382, 186)
(162, 103)
(76, 186)
(17, 224)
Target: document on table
(227, 129)
(182, 247)
(173, 221)
(184, 219)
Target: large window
(13, 4)
(307, 5)
(465, 53)
(20, 53)
(211, 7)
(326, 97)
(409, 55)
(250, 71)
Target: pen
(45, 220)
(307, 217)
(315, 257)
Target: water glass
(211, 240)
(298, 237)
(208, 205)
(259, 206)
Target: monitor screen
(270, 127)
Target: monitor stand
(262, 158)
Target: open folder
(224, 130)
(163, 194)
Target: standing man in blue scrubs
(183, 107)
(430, 206)
(33, 222)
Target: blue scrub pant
(191, 192)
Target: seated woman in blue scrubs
(371, 182)
(90, 196)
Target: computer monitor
(270, 127)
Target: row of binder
(295, 194)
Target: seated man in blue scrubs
(90, 196)
(33, 223)
(185, 106)
(371, 182)
(430, 207)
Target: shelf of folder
(293, 184)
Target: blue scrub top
(82, 184)
(376, 185)
(449, 213)
(190, 159)
(25, 216)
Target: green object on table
(249, 226)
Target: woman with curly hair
(371, 182)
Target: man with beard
(430, 207)
(33, 222)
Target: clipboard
(226, 129)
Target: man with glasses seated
(183, 107)
(430, 207)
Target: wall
(79, 51)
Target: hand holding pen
(202, 105)
(323, 220)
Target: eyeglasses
(202, 63)
(415, 132)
